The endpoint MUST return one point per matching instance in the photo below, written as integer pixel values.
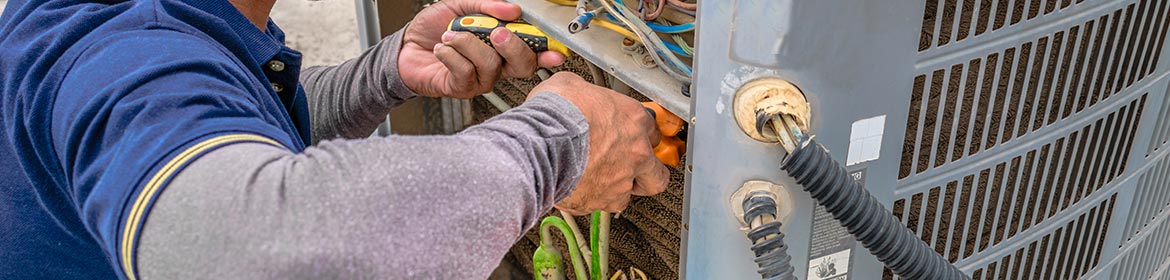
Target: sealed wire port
(762, 207)
(757, 188)
(772, 110)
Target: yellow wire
(639, 272)
(616, 276)
(616, 28)
(564, 2)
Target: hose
(861, 214)
(767, 239)
(582, 245)
(599, 243)
(546, 252)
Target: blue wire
(658, 27)
(686, 27)
(675, 48)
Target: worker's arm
(349, 100)
(424, 206)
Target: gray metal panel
(853, 62)
(846, 81)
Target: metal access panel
(1022, 139)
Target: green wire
(595, 245)
(574, 253)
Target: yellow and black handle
(482, 26)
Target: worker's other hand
(437, 63)
(621, 159)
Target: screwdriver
(482, 26)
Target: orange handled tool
(671, 147)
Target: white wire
(641, 32)
(495, 100)
(544, 74)
(646, 31)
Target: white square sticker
(832, 267)
(865, 140)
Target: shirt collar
(262, 45)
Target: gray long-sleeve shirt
(394, 207)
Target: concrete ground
(324, 31)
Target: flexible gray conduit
(767, 239)
(861, 214)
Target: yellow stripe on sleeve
(137, 212)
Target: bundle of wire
(638, 27)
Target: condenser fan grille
(954, 20)
(975, 105)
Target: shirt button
(277, 87)
(276, 65)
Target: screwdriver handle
(482, 26)
(671, 147)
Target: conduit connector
(757, 188)
(772, 110)
(762, 207)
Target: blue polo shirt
(104, 101)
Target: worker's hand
(621, 159)
(437, 63)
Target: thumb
(653, 181)
(495, 8)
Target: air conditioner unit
(1018, 139)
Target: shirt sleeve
(444, 207)
(351, 99)
(138, 107)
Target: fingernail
(436, 47)
(448, 35)
(500, 36)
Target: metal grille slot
(1142, 261)
(970, 107)
(957, 20)
(1162, 128)
(1151, 199)
(1067, 253)
(969, 215)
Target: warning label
(835, 266)
(832, 244)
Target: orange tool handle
(670, 148)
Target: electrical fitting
(777, 192)
(761, 207)
(772, 110)
(581, 22)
